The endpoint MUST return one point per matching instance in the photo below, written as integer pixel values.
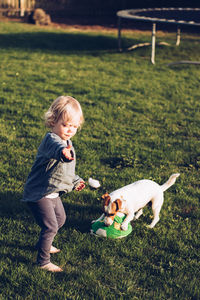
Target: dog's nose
(108, 222)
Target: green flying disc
(113, 231)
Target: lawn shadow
(79, 217)
(58, 41)
(13, 252)
(13, 240)
(11, 205)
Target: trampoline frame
(132, 14)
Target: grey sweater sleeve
(52, 146)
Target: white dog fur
(132, 198)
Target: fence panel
(17, 6)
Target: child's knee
(62, 221)
(51, 229)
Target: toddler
(52, 174)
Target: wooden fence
(19, 7)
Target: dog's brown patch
(118, 204)
(115, 207)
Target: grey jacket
(51, 171)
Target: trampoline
(177, 16)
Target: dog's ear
(118, 204)
(106, 198)
(104, 195)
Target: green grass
(142, 121)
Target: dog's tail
(169, 182)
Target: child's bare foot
(51, 267)
(54, 250)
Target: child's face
(65, 130)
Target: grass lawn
(141, 121)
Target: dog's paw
(150, 226)
(124, 227)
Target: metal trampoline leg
(153, 43)
(178, 36)
(119, 34)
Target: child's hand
(68, 153)
(81, 186)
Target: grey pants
(50, 216)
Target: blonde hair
(65, 107)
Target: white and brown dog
(131, 198)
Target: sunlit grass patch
(141, 121)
